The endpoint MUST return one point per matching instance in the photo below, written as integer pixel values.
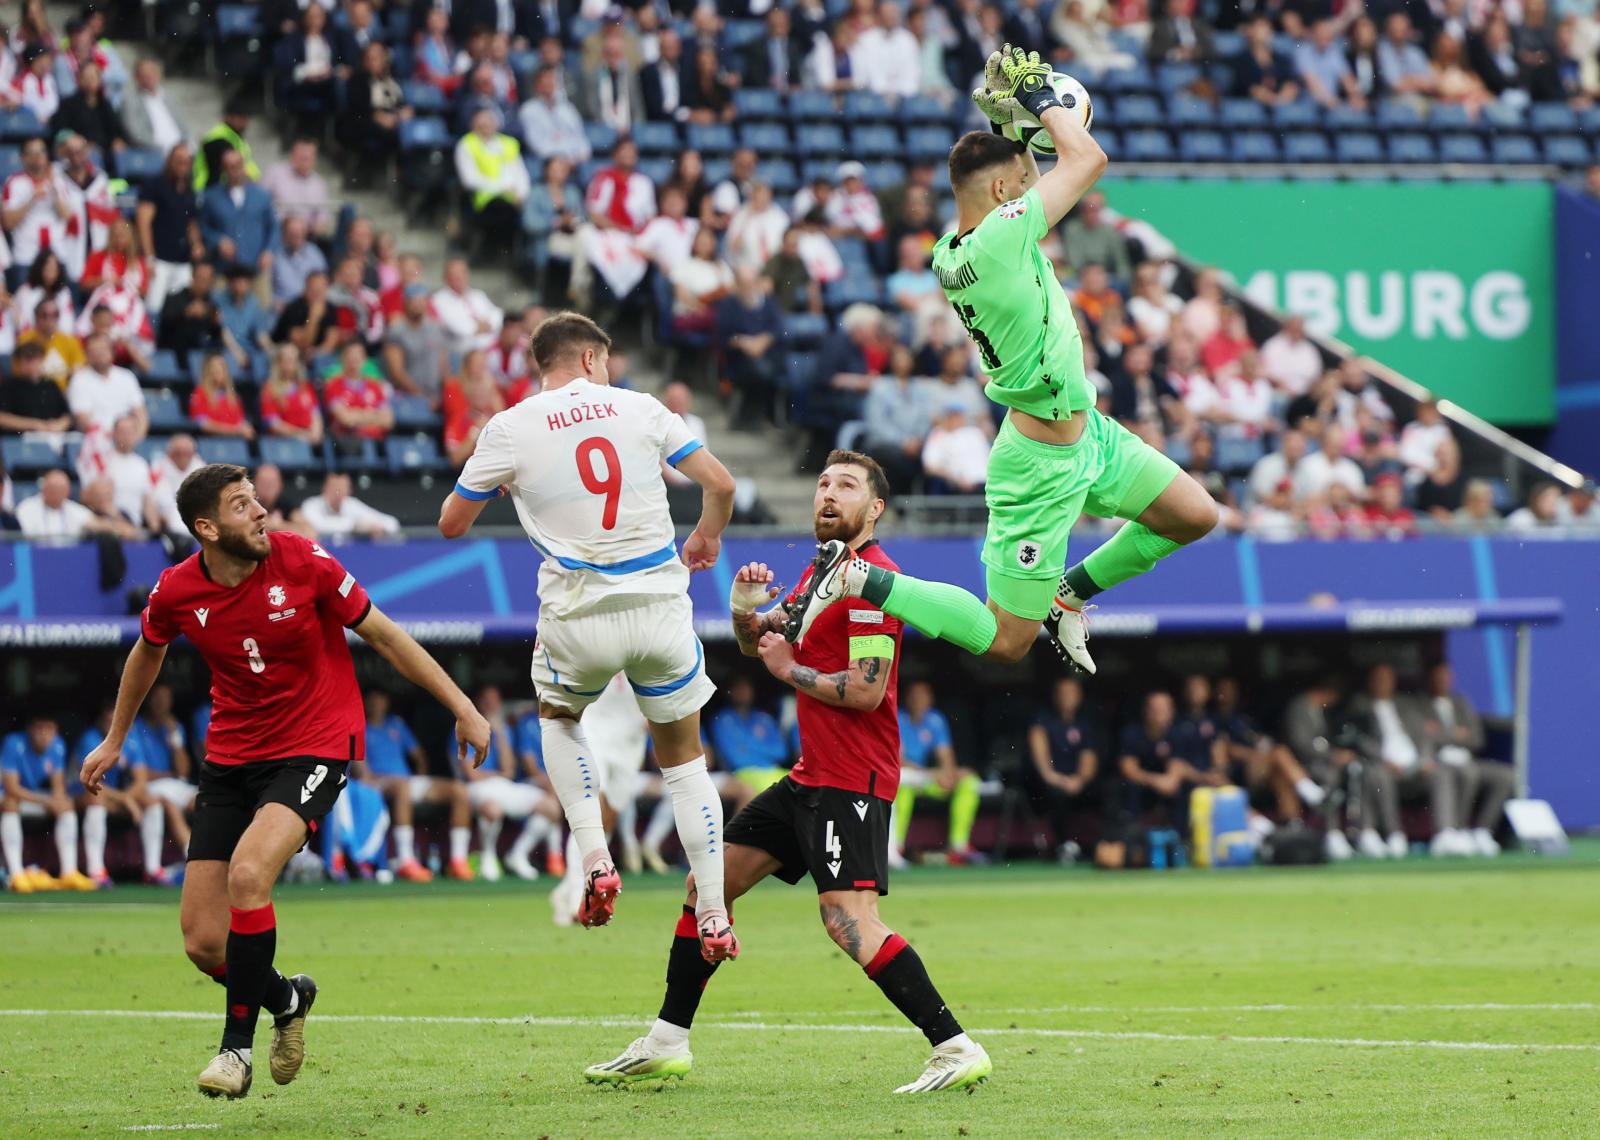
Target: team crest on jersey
(1013, 209)
(276, 596)
(1027, 554)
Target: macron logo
(202, 614)
(861, 809)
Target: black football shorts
(230, 795)
(839, 838)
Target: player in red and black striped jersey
(268, 613)
(829, 817)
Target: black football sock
(280, 998)
(904, 980)
(687, 974)
(252, 940)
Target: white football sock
(67, 842)
(405, 850)
(460, 843)
(669, 1034)
(152, 834)
(489, 837)
(698, 810)
(11, 840)
(574, 875)
(534, 832)
(94, 839)
(575, 774)
(660, 825)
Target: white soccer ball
(1024, 128)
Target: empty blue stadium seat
(737, 33)
(1412, 149)
(139, 164)
(1513, 149)
(656, 138)
(364, 457)
(1347, 119)
(780, 175)
(1357, 146)
(1451, 117)
(1227, 45)
(166, 413)
(19, 125)
(1503, 117)
(804, 330)
(413, 453)
(1202, 146)
(1235, 453)
(425, 133)
(602, 137)
(1174, 77)
(1398, 115)
(1239, 114)
(867, 107)
(31, 455)
(883, 176)
(924, 143)
(764, 138)
(758, 104)
(290, 454)
(1135, 78)
(1188, 111)
(1306, 146)
(812, 106)
(1567, 151)
(1138, 111)
(1109, 141)
(1255, 146)
(657, 170)
(424, 98)
(164, 369)
(1552, 119)
(853, 252)
(1147, 146)
(152, 447)
(225, 449)
(413, 413)
(798, 368)
(709, 138)
(1462, 148)
(849, 290)
(1301, 114)
(874, 142)
(819, 139)
(238, 21)
(718, 170)
(1590, 121)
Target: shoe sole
(599, 905)
(602, 1077)
(970, 1082)
(821, 565)
(288, 1050)
(214, 1091)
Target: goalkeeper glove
(991, 97)
(1027, 79)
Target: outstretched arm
(138, 674)
(701, 548)
(1079, 159)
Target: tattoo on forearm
(807, 678)
(843, 929)
(870, 668)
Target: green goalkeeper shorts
(1036, 491)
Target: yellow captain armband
(873, 645)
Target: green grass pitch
(1405, 1000)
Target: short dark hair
(562, 334)
(977, 151)
(29, 350)
(876, 479)
(201, 491)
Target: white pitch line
(168, 1127)
(1273, 1007)
(780, 1027)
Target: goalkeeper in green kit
(1055, 456)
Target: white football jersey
(584, 466)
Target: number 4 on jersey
(832, 846)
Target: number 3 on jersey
(256, 664)
(591, 453)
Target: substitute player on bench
(829, 817)
(267, 613)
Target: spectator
(118, 313)
(1089, 239)
(1454, 734)
(509, 360)
(1387, 514)
(928, 768)
(1244, 399)
(435, 52)
(774, 60)
(171, 468)
(215, 405)
(1420, 440)
(552, 125)
(1393, 734)
(1153, 773)
(1189, 381)
(848, 360)
(551, 217)
(1143, 401)
(467, 316)
(1276, 466)
(956, 455)
(246, 326)
(29, 401)
(698, 284)
(1152, 308)
(853, 209)
(119, 261)
(897, 416)
(728, 194)
(793, 287)
(359, 401)
(1365, 65)
(100, 392)
(749, 331)
(1309, 411)
(1453, 82)
(398, 765)
(308, 68)
(47, 280)
(1324, 70)
(668, 238)
(1094, 294)
(51, 514)
(358, 308)
(1542, 512)
(887, 57)
(149, 118)
(756, 229)
(1402, 65)
(336, 513)
(1312, 733)
(1272, 515)
(1259, 763)
(34, 209)
(955, 385)
(1580, 508)
(297, 189)
(236, 218)
(114, 458)
(1086, 37)
(32, 777)
(1535, 41)
(913, 288)
(748, 744)
(1064, 745)
(707, 92)
(190, 320)
(309, 322)
(375, 106)
(1289, 360)
(88, 113)
(1336, 513)
(1328, 466)
(168, 220)
(1358, 394)
(1261, 72)
(297, 259)
(288, 401)
(661, 81)
(609, 91)
(35, 84)
(229, 134)
(1178, 35)
(1202, 313)
(415, 353)
(490, 168)
(1439, 494)
(1221, 351)
(1495, 62)
(478, 401)
(63, 352)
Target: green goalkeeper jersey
(1005, 292)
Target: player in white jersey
(582, 463)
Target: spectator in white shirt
(1245, 397)
(1329, 465)
(1357, 391)
(853, 209)
(887, 58)
(551, 124)
(100, 393)
(34, 210)
(755, 233)
(298, 190)
(1579, 507)
(1276, 466)
(1289, 360)
(1543, 511)
(51, 514)
(336, 512)
(667, 238)
(1151, 308)
(957, 452)
(116, 459)
(1420, 441)
(469, 319)
(167, 474)
(148, 117)
(1272, 517)
(1202, 313)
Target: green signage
(1449, 283)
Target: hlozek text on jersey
(580, 414)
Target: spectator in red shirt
(357, 309)
(215, 405)
(288, 401)
(481, 399)
(120, 260)
(474, 364)
(1221, 352)
(359, 406)
(1387, 514)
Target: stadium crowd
(1348, 766)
